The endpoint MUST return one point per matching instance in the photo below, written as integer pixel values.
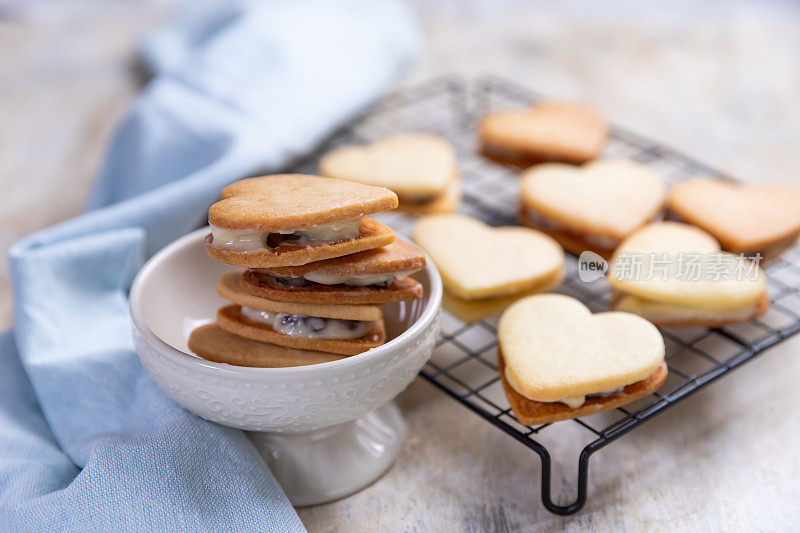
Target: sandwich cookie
(748, 219)
(559, 361)
(591, 207)
(479, 262)
(294, 219)
(215, 344)
(547, 131)
(374, 276)
(419, 167)
(674, 274)
(340, 329)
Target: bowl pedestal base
(327, 464)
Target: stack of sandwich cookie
(318, 270)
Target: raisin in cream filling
(245, 241)
(360, 280)
(571, 401)
(310, 327)
(601, 241)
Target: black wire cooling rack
(464, 363)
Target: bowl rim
(425, 321)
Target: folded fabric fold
(89, 441)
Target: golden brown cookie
(531, 412)
(266, 287)
(231, 319)
(215, 344)
(395, 257)
(547, 131)
(373, 276)
(372, 234)
(745, 219)
(289, 201)
(229, 287)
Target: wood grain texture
(715, 79)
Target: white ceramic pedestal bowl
(325, 430)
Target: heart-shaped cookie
(547, 131)
(605, 199)
(477, 261)
(555, 348)
(674, 263)
(294, 219)
(744, 218)
(413, 165)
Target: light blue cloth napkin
(87, 441)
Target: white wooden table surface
(719, 80)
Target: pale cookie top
(229, 287)
(479, 261)
(411, 164)
(288, 201)
(554, 348)
(398, 256)
(551, 127)
(741, 217)
(696, 273)
(609, 197)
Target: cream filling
(360, 280)
(571, 401)
(249, 240)
(309, 327)
(665, 312)
(601, 241)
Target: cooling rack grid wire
(464, 365)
